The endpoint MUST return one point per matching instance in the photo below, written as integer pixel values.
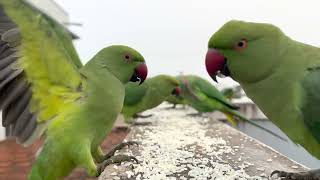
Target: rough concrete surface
(177, 146)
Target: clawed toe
(141, 123)
(116, 160)
(131, 143)
(119, 147)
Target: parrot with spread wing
(281, 75)
(44, 89)
(152, 93)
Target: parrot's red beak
(140, 73)
(216, 62)
(176, 91)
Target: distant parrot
(204, 97)
(152, 93)
(45, 89)
(281, 75)
(175, 100)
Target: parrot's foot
(115, 160)
(119, 147)
(308, 175)
(194, 114)
(142, 116)
(141, 123)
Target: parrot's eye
(240, 45)
(127, 57)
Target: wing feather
(39, 66)
(311, 101)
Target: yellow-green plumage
(53, 69)
(74, 105)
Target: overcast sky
(172, 35)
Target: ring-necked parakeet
(281, 75)
(45, 88)
(175, 100)
(204, 97)
(150, 94)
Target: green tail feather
(243, 118)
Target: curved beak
(216, 63)
(176, 91)
(140, 73)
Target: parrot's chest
(281, 105)
(278, 102)
(107, 101)
(104, 105)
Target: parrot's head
(248, 52)
(123, 62)
(176, 91)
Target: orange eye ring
(241, 45)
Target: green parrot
(175, 100)
(45, 90)
(204, 97)
(152, 93)
(281, 75)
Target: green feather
(74, 105)
(134, 93)
(279, 74)
(204, 97)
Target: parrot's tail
(232, 115)
(230, 118)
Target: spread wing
(39, 76)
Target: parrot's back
(203, 96)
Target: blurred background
(173, 35)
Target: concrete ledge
(176, 146)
